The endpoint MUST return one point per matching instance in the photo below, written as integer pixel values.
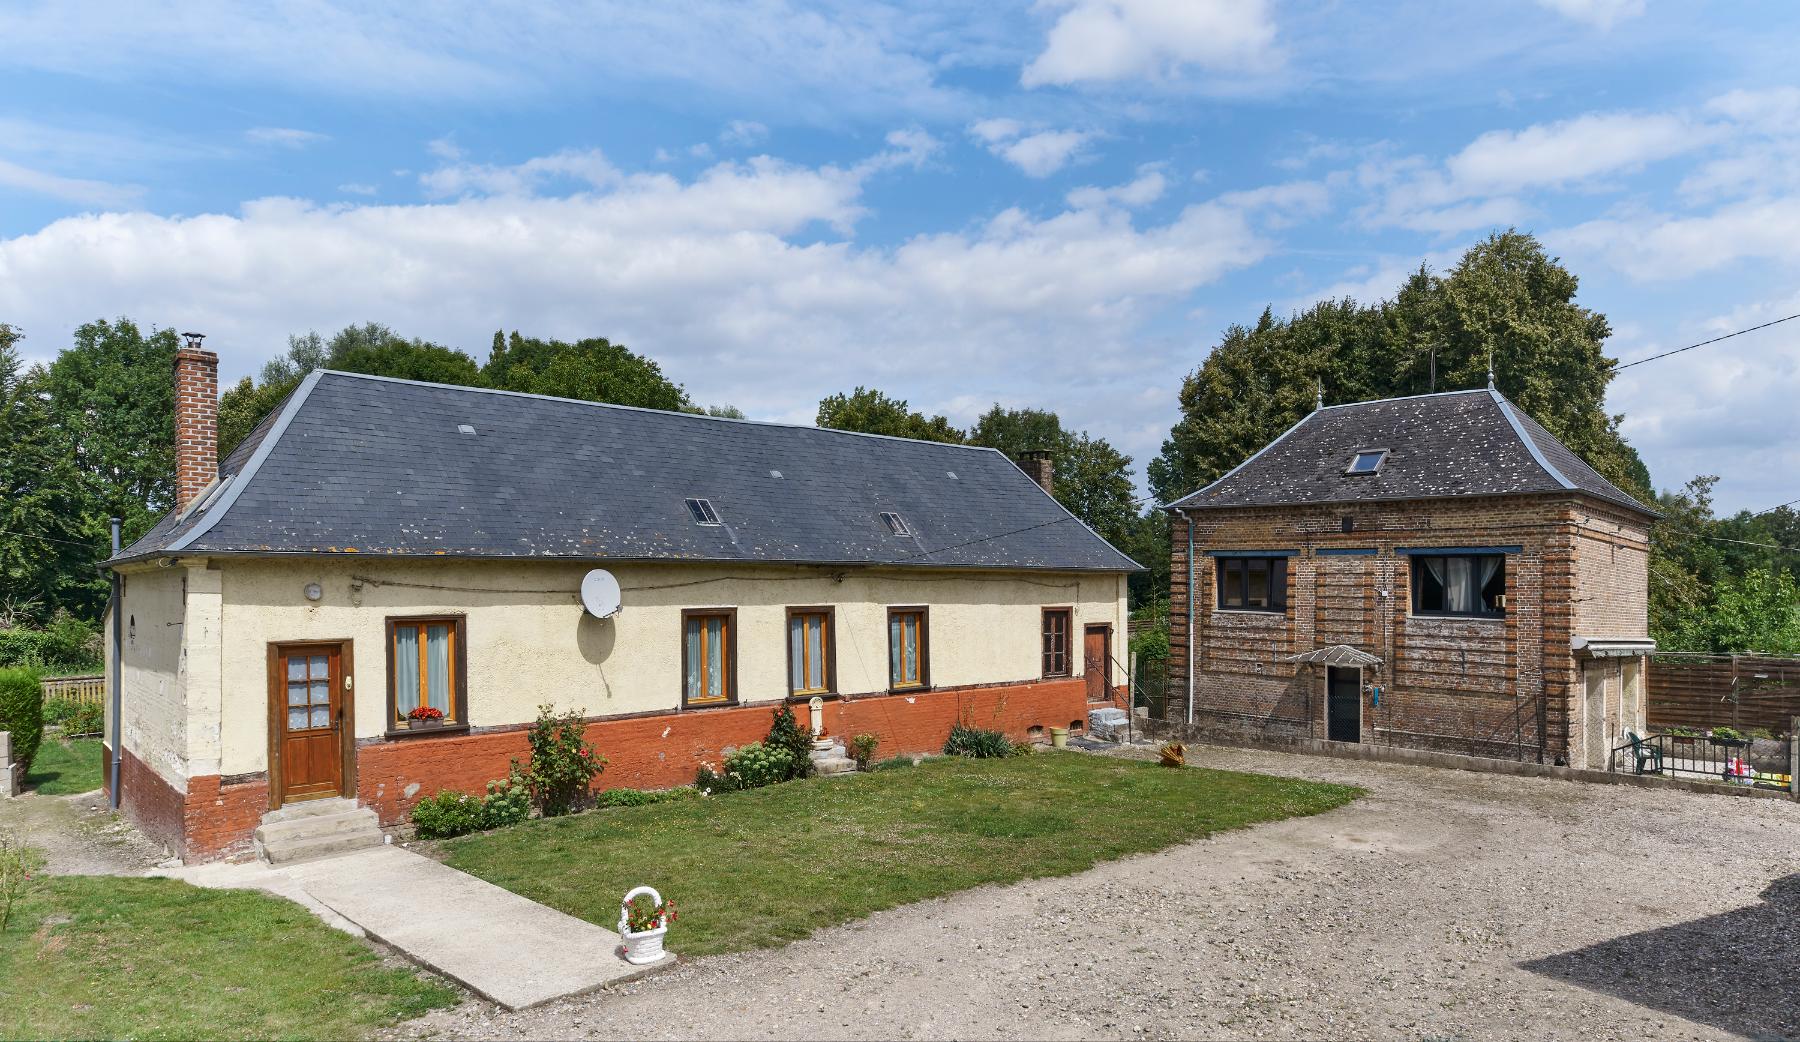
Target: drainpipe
(1190, 619)
(118, 656)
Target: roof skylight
(896, 524)
(703, 512)
(1367, 461)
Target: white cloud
(286, 137)
(454, 179)
(1661, 247)
(357, 188)
(1109, 40)
(1601, 14)
(743, 133)
(69, 189)
(703, 273)
(1038, 154)
(444, 148)
(1143, 190)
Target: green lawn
(762, 868)
(103, 957)
(65, 766)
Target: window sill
(908, 689)
(718, 703)
(426, 732)
(799, 700)
(1456, 616)
(1250, 611)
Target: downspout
(118, 656)
(1190, 618)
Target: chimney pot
(196, 420)
(1036, 465)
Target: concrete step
(308, 836)
(834, 765)
(310, 809)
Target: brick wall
(663, 750)
(1489, 687)
(196, 423)
(212, 819)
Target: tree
(112, 397)
(1092, 479)
(594, 369)
(872, 412)
(1757, 610)
(47, 539)
(1505, 299)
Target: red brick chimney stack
(196, 420)
(1036, 465)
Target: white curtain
(406, 669)
(815, 652)
(1459, 582)
(715, 646)
(797, 653)
(437, 667)
(894, 641)
(1489, 567)
(693, 659)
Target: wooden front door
(309, 716)
(1096, 648)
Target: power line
(1776, 507)
(1703, 343)
(45, 538)
(1746, 542)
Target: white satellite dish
(600, 594)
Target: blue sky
(1058, 203)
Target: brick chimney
(196, 420)
(1036, 465)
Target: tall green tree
(1506, 299)
(112, 394)
(1092, 479)
(593, 369)
(872, 412)
(48, 539)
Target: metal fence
(1764, 764)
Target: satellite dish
(600, 594)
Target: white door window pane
(296, 719)
(317, 665)
(297, 694)
(321, 692)
(321, 716)
(296, 669)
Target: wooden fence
(1747, 692)
(77, 689)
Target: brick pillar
(1036, 464)
(196, 421)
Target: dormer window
(1366, 461)
(703, 512)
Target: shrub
(862, 750)
(785, 733)
(58, 710)
(66, 645)
(976, 742)
(446, 814)
(643, 798)
(508, 799)
(563, 763)
(22, 712)
(759, 764)
(88, 718)
(1727, 734)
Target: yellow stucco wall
(154, 725)
(530, 642)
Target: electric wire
(1703, 343)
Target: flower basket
(645, 944)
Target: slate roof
(1457, 443)
(377, 466)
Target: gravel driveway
(1445, 904)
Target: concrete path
(505, 948)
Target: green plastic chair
(1643, 753)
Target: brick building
(368, 600)
(1436, 572)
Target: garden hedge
(22, 712)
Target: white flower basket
(645, 947)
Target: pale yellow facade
(530, 642)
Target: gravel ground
(1445, 904)
(79, 835)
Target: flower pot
(1059, 738)
(646, 947)
(423, 725)
(823, 744)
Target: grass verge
(762, 868)
(65, 766)
(106, 957)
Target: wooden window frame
(459, 694)
(1275, 607)
(1068, 648)
(729, 675)
(924, 614)
(830, 650)
(1416, 589)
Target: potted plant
(1683, 736)
(1729, 736)
(643, 923)
(425, 716)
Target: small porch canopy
(1337, 655)
(1613, 647)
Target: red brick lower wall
(661, 751)
(211, 820)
